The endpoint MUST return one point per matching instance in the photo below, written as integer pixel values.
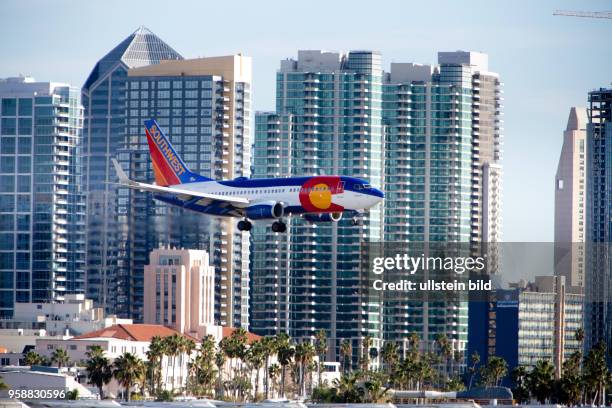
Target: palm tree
(304, 353)
(495, 369)
(474, 360)
(520, 390)
(596, 373)
(390, 355)
(285, 352)
(365, 354)
(256, 358)
(346, 351)
(541, 379)
(202, 372)
(446, 350)
(321, 350)
(346, 388)
(60, 357)
(269, 347)
(33, 358)
(220, 363)
(274, 371)
(172, 346)
(155, 354)
(99, 372)
(128, 371)
(186, 347)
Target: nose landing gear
(279, 226)
(244, 225)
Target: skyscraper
(598, 313)
(443, 175)
(42, 240)
(570, 200)
(103, 97)
(327, 121)
(203, 105)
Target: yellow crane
(586, 14)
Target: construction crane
(587, 14)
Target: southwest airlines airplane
(316, 198)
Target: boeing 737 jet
(316, 198)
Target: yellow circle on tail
(320, 196)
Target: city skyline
(537, 93)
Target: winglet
(120, 173)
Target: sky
(547, 63)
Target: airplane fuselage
(297, 195)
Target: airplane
(315, 198)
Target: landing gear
(355, 221)
(244, 225)
(279, 226)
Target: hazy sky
(546, 63)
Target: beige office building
(179, 289)
(570, 200)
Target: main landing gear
(279, 226)
(244, 225)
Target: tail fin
(168, 166)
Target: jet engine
(265, 210)
(324, 217)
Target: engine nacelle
(324, 217)
(265, 210)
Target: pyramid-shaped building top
(140, 48)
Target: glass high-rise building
(327, 121)
(598, 301)
(442, 176)
(42, 207)
(204, 106)
(103, 97)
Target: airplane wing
(124, 180)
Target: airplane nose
(378, 193)
(376, 196)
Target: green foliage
(72, 395)
(494, 371)
(33, 358)
(129, 370)
(99, 370)
(60, 357)
(540, 380)
(165, 396)
(520, 391)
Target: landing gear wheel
(244, 225)
(279, 226)
(355, 221)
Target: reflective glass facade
(442, 152)
(327, 121)
(42, 208)
(207, 119)
(598, 306)
(103, 96)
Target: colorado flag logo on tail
(168, 166)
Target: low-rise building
(115, 341)
(75, 315)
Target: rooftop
(132, 332)
(251, 337)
